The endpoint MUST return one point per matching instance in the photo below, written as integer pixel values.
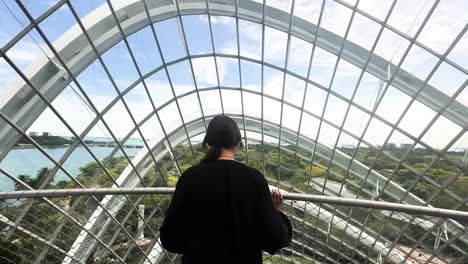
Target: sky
(444, 25)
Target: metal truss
(91, 37)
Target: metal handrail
(397, 207)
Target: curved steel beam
(23, 107)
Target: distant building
(405, 146)
(46, 134)
(33, 134)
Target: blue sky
(447, 21)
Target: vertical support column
(141, 224)
(441, 234)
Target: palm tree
(35, 182)
(24, 178)
(41, 175)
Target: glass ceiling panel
(145, 50)
(11, 15)
(197, 33)
(321, 109)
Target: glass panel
(119, 120)
(291, 117)
(84, 8)
(250, 39)
(378, 9)
(299, 56)
(151, 130)
(37, 8)
(328, 136)
(170, 117)
(315, 100)
(228, 70)
(205, 72)
(284, 5)
(224, 34)
(97, 86)
(391, 46)
(463, 97)
(83, 166)
(447, 79)
(12, 16)
(275, 46)
(356, 121)
(28, 50)
(55, 25)
(197, 34)
(393, 104)
(322, 67)
(232, 102)
(458, 53)
(416, 119)
(138, 102)
(419, 62)
(346, 78)
(273, 80)
(442, 21)
(159, 88)
(120, 66)
(368, 91)
(363, 31)
(271, 110)
(181, 77)
(402, 144)
(346, 141)
(251, 75)
(27, 163)
(408, 20)
(252, 104)
(7, 185)
(74, 108)
(294, 90)
(190, 107)
(170, 40)
(377, 132)
(441, 133)
(54, 137)
(308, 10)
(145, 50)
(336, 110)
(211, 102)
(335, 18)
(10, 82)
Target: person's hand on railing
(277, 198)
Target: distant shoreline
(61, 142)
(31, 146)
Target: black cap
(222, 132)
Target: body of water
(29, 161)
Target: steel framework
(113, 23)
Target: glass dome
(357, 99)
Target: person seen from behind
(222, 210)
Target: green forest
(294, 173)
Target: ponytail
(212, 153)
